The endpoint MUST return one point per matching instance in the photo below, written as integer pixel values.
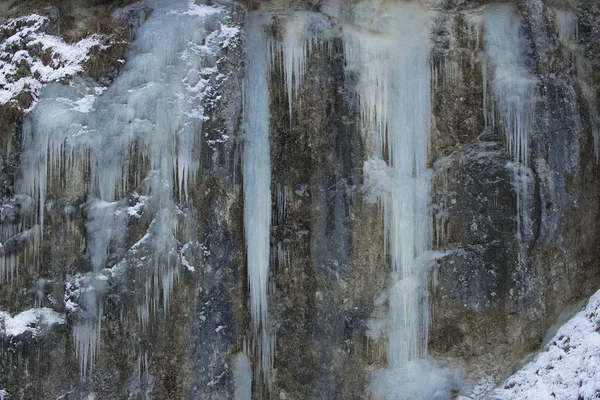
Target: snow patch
(33, 320)
(568, 367)
(30, 58)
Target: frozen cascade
(510, 91)
(154, 111)
(257, 189)
(389, 48)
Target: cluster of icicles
(85, 138)
(390, 53)
(151, 115)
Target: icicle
(86, 337)
(303, 32)
(567, 24)
(512, 94)
(9, 267)
(568, 32)
(257, 189)
(391, 56)
(295, 48)
(394, 91)
(242, 376)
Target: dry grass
(78, 18)
(24, 99)
(100, 59)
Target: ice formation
(388, 47)
(257, 189)
(149, 118)
(567, 24)
(303, 31)
(242, 375)
(510, 93)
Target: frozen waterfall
(148, 122)
(273, 258)
(389, 49)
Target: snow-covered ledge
(567, 368)
(30, 58)
(34, 321)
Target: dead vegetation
(78, 18)
(106, 59)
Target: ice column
(389, 49)
(257, 189)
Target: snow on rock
(229, 36)
(30, 58)
(33, 320)
(568, 368)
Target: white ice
(257, 188)
(388, 46)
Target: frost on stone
(30, 58)
(567, 368)
(34, 321)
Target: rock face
(514, 210)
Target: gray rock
(132, 16)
